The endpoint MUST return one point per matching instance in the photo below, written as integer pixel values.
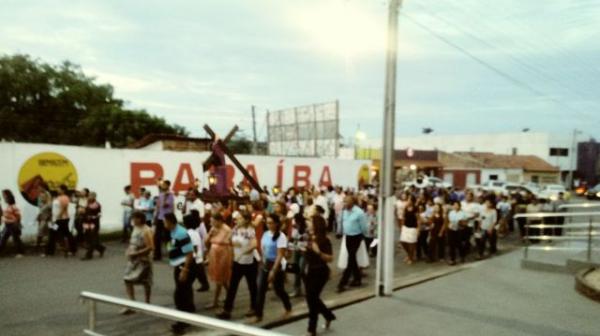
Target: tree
(59, 104)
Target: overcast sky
(512, 64)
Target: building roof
(459, 161)
(504, 161)
(407, 163)
(155, 137)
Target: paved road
(39, 296)
(494, 297)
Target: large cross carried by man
(215, 164)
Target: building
(588, 163)
(462, 169)
(172, 142)
(555, 149)
(407, 163)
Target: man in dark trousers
(181, 257)
(354, 225)
(164, 205)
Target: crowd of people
(272, 235)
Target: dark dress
(317, 275)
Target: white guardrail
(585, 230)
(91, 299)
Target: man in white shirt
(338, 206)
(321, 200)
(127, 204)
(472, 210)
(193, 202)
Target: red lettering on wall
(301, 176)
(252, 172)
(325, 180)
(280, 174)
(138, 181)
(184, 172)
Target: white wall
(107, 171)
(503, 174)
(531, 143)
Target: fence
(91, 299)
(537, 228)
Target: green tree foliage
(59, 104)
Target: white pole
(385, 271)
(572, 160)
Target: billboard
(310, 130)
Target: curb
(364, 294)
(584, 287)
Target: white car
(428, 181)
(497, 187)
(512, 188)
(551, 192)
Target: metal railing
(91, 299)
(585, 231)
(586, 205)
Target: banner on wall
(25, 167)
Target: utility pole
(572, 159)
(387, 218)
(254, 144)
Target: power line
(515, 81)
(530, 68)
(539, 40)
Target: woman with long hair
(318, 254)
(244, 264)
(436, 236)
(11, 216)
(274, 245)
(410, 229)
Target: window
(535, 179)
(514, 151)
(493, 177)
(559, 151)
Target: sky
(468, 66)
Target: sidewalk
(494, 297)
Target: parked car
(551, 191)
(497, 187)
(513, 188)
(593, 193)
(423, 181)
(581, 190)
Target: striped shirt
(179, 246)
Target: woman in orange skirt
(220, 256)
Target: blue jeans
(126, 225)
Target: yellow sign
(46, 169)
(363, 175)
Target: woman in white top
(457, 228)
(244, 264)
(489, 218)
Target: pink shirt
(11, 215)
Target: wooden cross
(222, 144)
